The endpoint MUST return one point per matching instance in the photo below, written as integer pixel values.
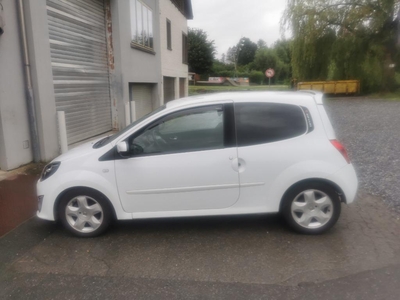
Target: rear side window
(260, 123)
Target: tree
(231, 55)
(247, 51)
(344, 39)
(265, 59)
(201, 51)
(261, 44)
(283, 50)
(242, 53)
(223, 58)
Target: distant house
(174, 47)
(104, 63)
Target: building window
(141, 24)
(169, 37)
(184, 48)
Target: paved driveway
(252, 257)
(240, 257)
(370, 130)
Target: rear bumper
(346, 179)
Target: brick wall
(17, 201)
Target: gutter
(30, 100)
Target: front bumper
(48, 195)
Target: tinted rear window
(260, 123)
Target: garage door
(169, 89)
(182, 87)
(142, 95)
(78, 46)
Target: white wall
(42, 77)
(14, 128)
(171, 60)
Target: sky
(226, 21)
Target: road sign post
(270, 73)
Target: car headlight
(49, 170)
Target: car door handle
(173, 138)
(238, 165)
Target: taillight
(341, 149)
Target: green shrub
(257, 77)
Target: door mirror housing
(122, 147)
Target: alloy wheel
(84, 214)
(312, 209)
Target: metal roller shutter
(142, 95)
(78, 46)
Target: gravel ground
(370, 130)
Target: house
(174, 47)
(100, 63)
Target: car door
(269, 137)
(183, 161)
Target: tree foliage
(201, 51)
(232, 54)
(344, 39)
(278, 57)
(242, 53)
(261, 44)
(247, 51)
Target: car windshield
(113, 137)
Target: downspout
(29, 91)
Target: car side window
(260, 123)
(189, 130)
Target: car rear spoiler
(318, 96)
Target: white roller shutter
(142, 95)
(80, 68)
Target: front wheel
(311, 208)
(84, 212)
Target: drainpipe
(29, 91)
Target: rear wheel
(84, 212)
(311, 208)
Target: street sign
(270, 73)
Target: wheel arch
(337, 189)
(64, 192)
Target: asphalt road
(252, 257)
(247, 257)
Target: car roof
(310, 97)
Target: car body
(218, 154)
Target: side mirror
(122, 147)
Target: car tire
(85, 212)
(311, 208)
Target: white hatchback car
(220, 154)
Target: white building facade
(173, 32)
(97, 61)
